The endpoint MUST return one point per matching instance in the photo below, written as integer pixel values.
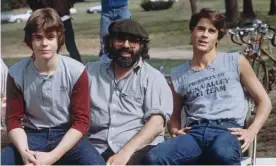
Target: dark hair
(143, 50)
(217, 18)
(46, 19)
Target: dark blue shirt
(109, 4)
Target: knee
(92, 158)
(155, 159)
(8, 156)
(151, 159)
(226, 155)
(84, 153)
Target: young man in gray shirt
(130, 101)
(48, 101)
(211, 87)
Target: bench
(249, 156)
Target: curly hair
(143, 52)
(46, 19)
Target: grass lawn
(167, 28)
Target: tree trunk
(272, 10)
(232, 13)
(248, 11)
(193, 6)
(5, 5)
(16, 4)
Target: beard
(125, 62)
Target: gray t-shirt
(213, 93)
(119, 109)
(47, 99)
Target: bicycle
(255, 52)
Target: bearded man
(130, 101)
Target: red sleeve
(80, 104)
(15, 105)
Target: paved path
(156, 53)
(170, 53)
(161, 53)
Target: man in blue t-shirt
(112, 10)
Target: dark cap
(128, 26)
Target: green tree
(13, 4)
(272, 10)
(248, 11)
(193, 6)
(232, 13)
(5, 5)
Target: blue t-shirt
(213, 93)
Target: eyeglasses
(133, 42)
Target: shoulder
(16, 71)
(70, 62)
(18, 68)
(150, 69)
(232, 60)
(243, 64)
(153, 78)
(74, 67)
(94, 67)
(151, 73)
(230, 55)
(178, 77)
(180, 70)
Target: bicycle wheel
(261, 72)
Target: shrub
(156, 5)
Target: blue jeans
(135, 159)
(83, 153)
(108, 16)
(206, 143)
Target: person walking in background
(48, 101)
(63, 9)
(112, 10)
